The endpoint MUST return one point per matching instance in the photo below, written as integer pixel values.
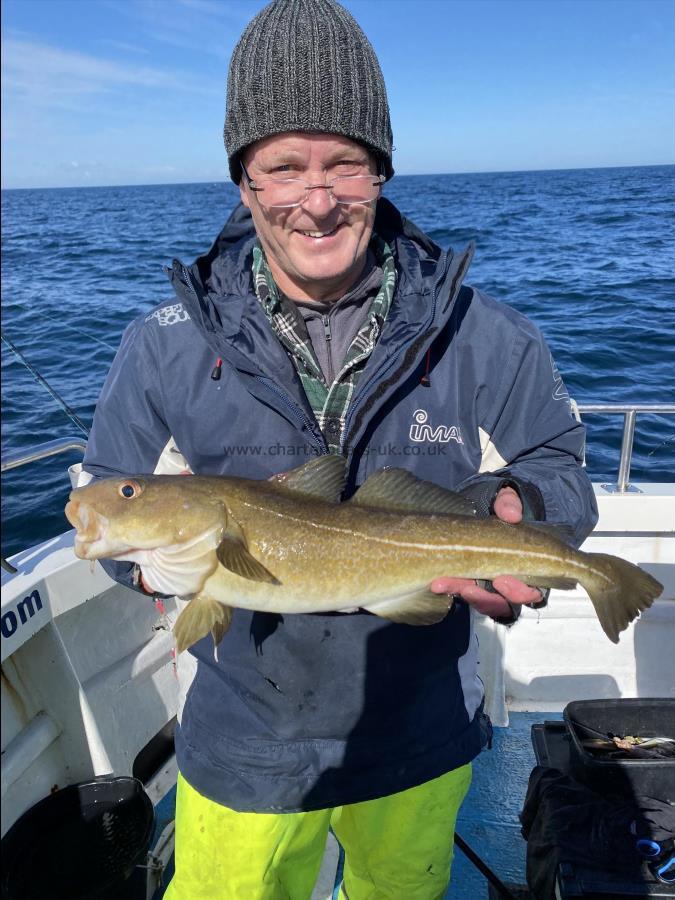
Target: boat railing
(40, 451)
(629, 411)
(18, 458)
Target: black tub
(639, 777)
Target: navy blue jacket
(312, 711)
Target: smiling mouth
(319, 234)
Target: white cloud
(206, 27)
(43, 75)
(125, 47)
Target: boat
(92, 688)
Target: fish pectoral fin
(323, 478)
(417, 608)
(233, 555)
(401, 491)
(202, 615)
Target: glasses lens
(356, 189)
(286, 192)
(293, 191)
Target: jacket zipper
(296, 410)
(353, 405)
(328, 338)
(188, 280)
(269, 384)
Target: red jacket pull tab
(216, 372)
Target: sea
(587, 254)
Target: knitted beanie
(305, 65)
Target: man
(322, 321)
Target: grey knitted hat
(305, 65)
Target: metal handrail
(629, 412)
(41, 451)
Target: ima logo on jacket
(421, 430)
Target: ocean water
(588, 254)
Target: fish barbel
(287, 545)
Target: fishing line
(668, 440)
(90, 337)
(43, 381)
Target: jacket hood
(217, 289)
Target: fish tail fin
(201, 616)
(619, 591)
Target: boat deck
(488, 821)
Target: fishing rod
(502, 890)
(74, 418)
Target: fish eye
(129, 489)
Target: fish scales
(345, 537)
(288, 546)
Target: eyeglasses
(287, 192)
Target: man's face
(315, 251)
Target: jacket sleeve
(529, 437)
(128, 433)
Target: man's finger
(508, 506)
(515, 590)
(146, 587)
(507, 587)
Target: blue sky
(98, 92)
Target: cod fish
(287, 545)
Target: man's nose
(319, 200)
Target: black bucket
(81, 843)
(635, 777)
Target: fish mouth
(91, 527)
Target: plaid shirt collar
(329, 403)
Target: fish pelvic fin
(619, 591)
(233, 555)
(417, 608)
(548, 581)
(202, 615)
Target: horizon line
(71, 187)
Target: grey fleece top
(332, 325)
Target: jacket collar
(217, 289)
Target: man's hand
(146, 587)
(507, 506)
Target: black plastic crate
(576, 881)
(552, 743)
(637, 777)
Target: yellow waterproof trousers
(398, 847)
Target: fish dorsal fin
(401, 491)
(233, 554)
(323, 478)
